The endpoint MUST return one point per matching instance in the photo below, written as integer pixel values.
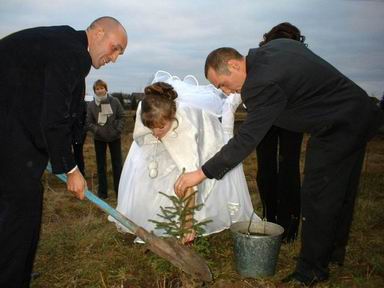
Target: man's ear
(234, 64)
(99, 33)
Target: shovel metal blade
(179, 255)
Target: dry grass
(80, 248)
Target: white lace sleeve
(228, 117)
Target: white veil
(205, 97)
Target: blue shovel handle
(180, 256)
(102, 205)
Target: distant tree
(382, 102)
(123, 98)
(118, 95)
(133, 102)
(374, 100)
(138, 97)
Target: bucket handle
(250, 222)
(264, 220)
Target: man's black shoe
(301, 279)
(288, 239)
(35, 275)
(338, 256)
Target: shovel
(169, 248)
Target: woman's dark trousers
(278, 178)
(101, 156)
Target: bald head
(108, 23)
(107, 39)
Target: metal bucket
(256, 255)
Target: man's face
(107, 47)
(231, 82)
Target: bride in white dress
(192, 135)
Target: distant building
(138, 96)
(125, 99)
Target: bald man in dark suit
(42, 79)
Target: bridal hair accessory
(153, 165)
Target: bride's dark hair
(158, 105)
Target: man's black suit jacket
(42, 79)
(289, 86)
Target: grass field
(80, 248)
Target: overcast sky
(177, 35)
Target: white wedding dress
(196, 137)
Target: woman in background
(278, 161)
(105, 116)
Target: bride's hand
(188, 237)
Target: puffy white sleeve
(228, 115)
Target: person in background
(278, 161)
(285, 84)
(42, 79)
(105, 120)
